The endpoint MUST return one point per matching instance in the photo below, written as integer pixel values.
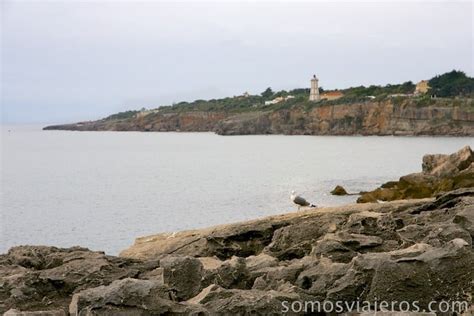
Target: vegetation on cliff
(373, 110)
(451, 84)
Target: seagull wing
(300, 201)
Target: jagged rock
(128, 297)
(465, 218)
(319, 278)
(343, 246)
(183, 275)
(273, 278)
(296, 240)
(15, 312)
(261, 261)
(232, 273)
(223, 242)
(411, 278)
(240, 302)
(447, 165)
(333, 250)
(40, 277)
(441, 173)
(339, 190)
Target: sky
(68, 61)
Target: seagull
(298, 200)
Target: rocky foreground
(415, 250)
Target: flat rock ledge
(411, 250)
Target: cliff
(387, 117)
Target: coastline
(419, 249)
(325, 254)
(385, 118)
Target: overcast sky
(70, 61)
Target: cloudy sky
(69, 61)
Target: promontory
(443, 105)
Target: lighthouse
(314, 93)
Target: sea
(101, 190)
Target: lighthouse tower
(314, 93)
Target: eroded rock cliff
(365, 118)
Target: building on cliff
(314, 92)
(279, 99)
(332, 95)
(422, 87)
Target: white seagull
(300, 201)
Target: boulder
(232, 273)
(273, 278)
(183, 275)
(440, 173)
(220, 301)
(261, 261)
(44, 278)
(296, 240)
(128, 297)
(447, 165)
(418, 276)
(339, 190)
(319, 278)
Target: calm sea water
(103, 189)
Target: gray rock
(15, 312)
(183, 275)
(240, 302)
(128, 297)
(44, 278)
(232, 273)
(319, 278)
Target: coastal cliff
(387, 117)
(418, 251)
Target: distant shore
(401, 118)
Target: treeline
(452, 84)
(448, 85)
(122, 115)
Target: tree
(267, 93)
(451, 84)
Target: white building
(314, 93)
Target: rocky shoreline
(440, 173)
(404, 250)
(404, 118)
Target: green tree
(451, 84)
(267, 93)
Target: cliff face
(367, 118)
